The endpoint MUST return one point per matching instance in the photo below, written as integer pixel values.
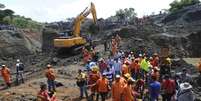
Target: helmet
(18, 60)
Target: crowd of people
(122, 76)
(127, 76)
(7, 27)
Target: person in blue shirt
(154, 89)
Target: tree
(8, 12)
(177, 5)
(126, 14)
(7, 20)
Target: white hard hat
(185, 86)
(118, 76)
(18, 60)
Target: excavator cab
(75, 40)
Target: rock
(15, 43)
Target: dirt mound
(16, 43)
(188, 14)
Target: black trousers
(103, 96)
(167, 97)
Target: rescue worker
(199, 66)
(117, 89)
(43, 94)
(168, 88)
(114, 47)
(125, 68)
(82, 83)
(128, 93)
(93, 77)
(19, 72)
(154, 89)
(50, 75)
(118, 39)
(5, 73)
(103, 87)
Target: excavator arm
(80, 18)
(76, 40)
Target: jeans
(83, 89)
(51, 85)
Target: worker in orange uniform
(43, 94)
(103, 87)
(94, 75)
(114, 46)
(199, 66)
(5, 73)
(50, 75)
(128, 93)
(125, 67)
(118, 39)
(117, 89)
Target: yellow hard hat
(127, 75)
(95, 68)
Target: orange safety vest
(117, 89)
(128, 93)
(93, 77)
(6, 75)
(103, 84)
(199, 67)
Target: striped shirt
(109, 75)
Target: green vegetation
(177, 5)
(124, 15)
(7, 17)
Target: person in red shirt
(43, 94)
(168, 88)
(102, 65)
(103, 87)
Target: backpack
(20, 67)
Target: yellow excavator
(76, 40)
